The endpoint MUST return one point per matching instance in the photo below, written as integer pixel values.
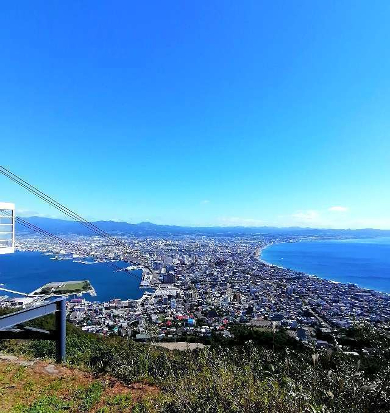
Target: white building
(7, 228)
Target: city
(197, 287)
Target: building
(7, 228)
(169, 278)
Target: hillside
(38, 386)
(254, 372)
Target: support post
(61, 331)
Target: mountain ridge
(61, 226)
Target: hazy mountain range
(61, 226)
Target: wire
(72, 245)
(62, 208)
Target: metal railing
(10, 325)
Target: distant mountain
(62, 226)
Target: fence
(10, 325)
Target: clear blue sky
(199, 113)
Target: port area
(149, 277)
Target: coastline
(313, 275)
(107, 285)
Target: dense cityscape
(197, 287)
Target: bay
(26, 271)
(365, 262)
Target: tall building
(169, 278)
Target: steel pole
(61, 331)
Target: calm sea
(26, 271)
(365, 262)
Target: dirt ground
(180, 345)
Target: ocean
(364, 262)
(26, 271)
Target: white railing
(7, 228)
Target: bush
(245, 377)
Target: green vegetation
(28, 390)
(256, 371)
(78, 286)
(5, 311)
(68, 287)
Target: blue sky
(199, 113)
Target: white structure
(7, 228)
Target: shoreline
(269, 264)
(94, 276)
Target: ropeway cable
(51, 201)
(65, 210)
(70, 244)
(62, 208)
(48, 234)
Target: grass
(66, 287)
(255, 372)
(32, 390)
